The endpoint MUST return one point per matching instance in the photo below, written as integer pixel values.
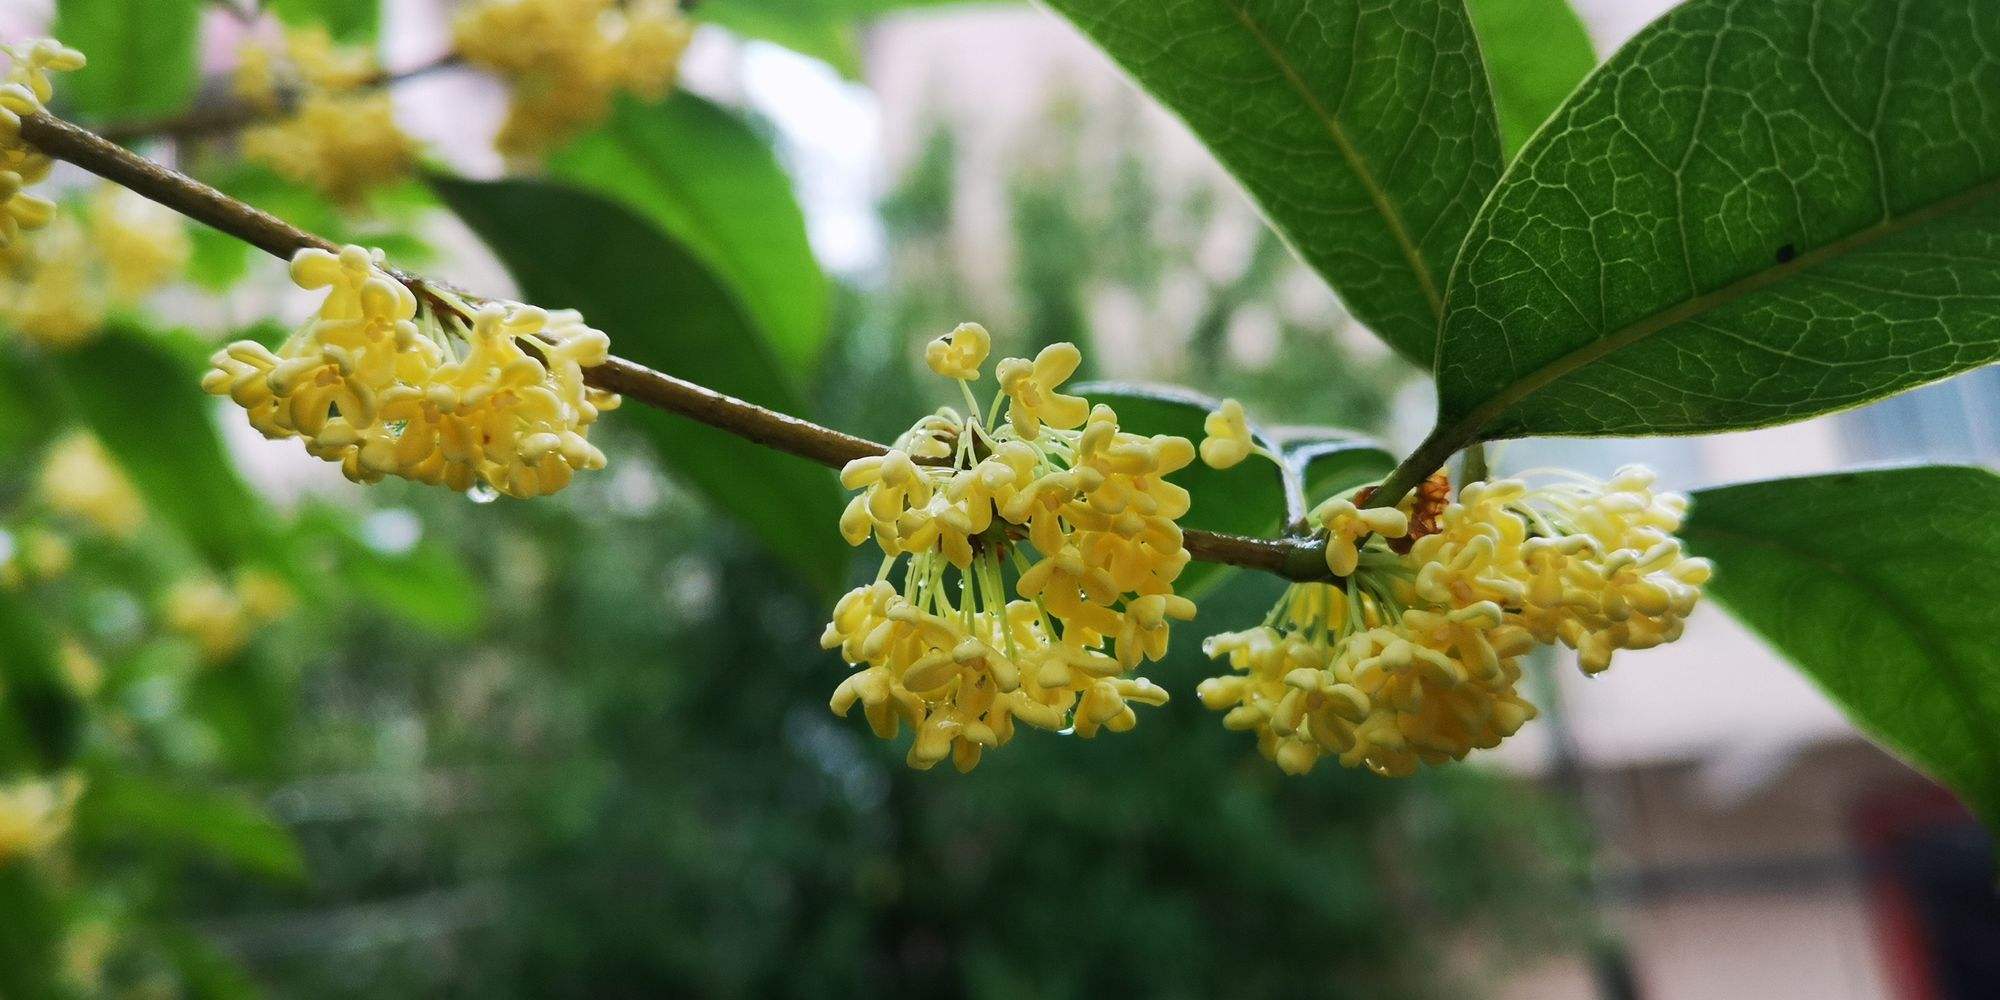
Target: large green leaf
(665, 309)
(1248, 499)
(1881, 587)
(146, 405)
(1362, 127)
(701, 175)
(142, 55)
(1757, 211)
(1536, 53)
(131, 808)
(346, 20)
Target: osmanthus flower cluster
(109, 252)
(1039, 557)
(26, 90)
(335, 128)
(1415, 656)
(564, 60)
(382, 386)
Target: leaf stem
(1429, 457)
(1292, 558)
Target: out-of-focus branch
(1292, 558)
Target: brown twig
(234, 114)
(1293, 559)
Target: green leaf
(41, 720)
(1752, 214)
(1536, 53)
(125, 807)
(1249, 498)
(345, 20)
(31, 944)
(702, 176)
(663, 308)
(1881, 587)
(147, 406)
(1361, 127)
(142, 55)
(427, 585)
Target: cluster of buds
(959, 653)
(26, 90)
(565, 59)
(335, 128)
(55, 288)
(219, 617)
(1415, 656)
(384, 387)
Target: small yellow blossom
(563, 60)
(206, 611)
(1031, 390)
(1415, 657)
(26, 90)
(336, 134)
(56, 288)
(1345, 524)
(35, 814)
(958, 653)
(79, 480)
(343, 144)
(46, 289)
(1227, 442)
(220, 618)
(265, 595)
(960, 353)
(143, 245)
(382, 387)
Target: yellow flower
(26, 90)
(47, 293)
(1345, 524)
(209, 613)
(336, 136)
(957, 653)
(1031, 390)
(564, 59)
(368, 383)
(35, 814)
(648, 53)
(340, 143)
(1415, 658)
(79, 480)
(960, 353)
(143, 245)
(1228, 441)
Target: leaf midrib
(1963, 691)
(1468, 427)
(1384, 206)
